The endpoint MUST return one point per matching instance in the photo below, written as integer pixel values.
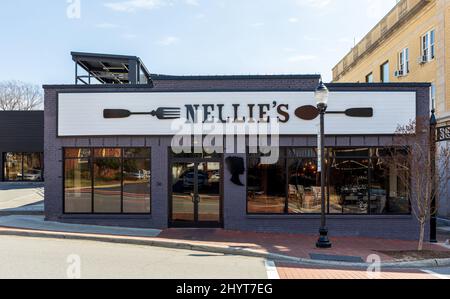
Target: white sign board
(82, 114)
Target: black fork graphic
(164, 113)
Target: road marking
(271, 269)
(440, 276)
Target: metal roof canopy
(110, 69)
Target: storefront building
(21, 146)
(106, 168)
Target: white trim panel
(81, 114)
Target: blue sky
(183, 37)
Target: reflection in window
(136, 184)
(266, 187)
(135, 153)
(13, 167)
(363, 182)
(288, 186)
(349, 183)
(183, 178)
(23, 167)
(107, 180)
(78, 186)
(359, 181)
(107, 185)
(107, 152)
(77, 153)
(304, 186)
(388, 192)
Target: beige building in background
(408, 45)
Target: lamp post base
(324, 242)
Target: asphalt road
(52, 258)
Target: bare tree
(422, 180)
(16, 95)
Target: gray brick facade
(235, 216)
(21, 132)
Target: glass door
(183, 192)
(209, 193)
(196, 194)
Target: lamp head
(321, 94)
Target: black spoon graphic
(311, 112)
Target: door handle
(195, 198)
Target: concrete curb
(443, 221)
(181, 244)
(21, 213)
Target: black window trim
(283, 155)
(91, 159)
(22, 180)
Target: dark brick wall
(235, 217)
(1, 166)
(21, 131)
(283, 82)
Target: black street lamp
(321, 95)
(433, 219)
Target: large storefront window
(349, 181)
(78, 185)
(23, 167)
(359, 181)
(286, 187)
(266, 187)
(136, 181)
(388, 192)
(303, 182)
(107, 180)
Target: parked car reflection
(31, 175)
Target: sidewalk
(21, 198)
(301, 246)
(289, 271)
(287, 247)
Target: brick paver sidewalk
(288, 271)
(294, 244)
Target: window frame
(433, 96)
(383, 72)
(403, 62)
(432, 44)
(428, 45)
(369, 75)
(329, 150)
(91, 160)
